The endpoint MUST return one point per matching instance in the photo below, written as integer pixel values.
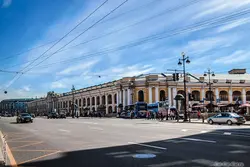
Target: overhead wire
(201, 25)
(74, 38)
(130, 25)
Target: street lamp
(209, 73)
(73, 101)
(183, 61)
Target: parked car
(24, 117)
(32, 115)
(62, 115)
(53, 115)
(226, 118)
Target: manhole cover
(144, 156)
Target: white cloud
(219, 6)
(26, 88)
(79, 67)
(236, 57)
(232, 25)
(6, 3)
(58, 84)
(203, 45)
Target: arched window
(110, 109)
(76, 102)
(109, 99)
(196, 95)
(181, 92)
(80, 102)
(236, 95)
(93, 100)
(223, 95)
(93, 108)
(115, 97)
(141, 96)
(209, 95)
(88, 101)
(84, 102)
(103, 100)
(248, 95)
(162, 95)
(98, 100)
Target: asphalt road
(112, 142)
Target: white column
(90, 99)
(95, 103)
(169, 96)
(174, 94)
(117, 98)
(129, 96)
(120, 96)
(113, 102)
(123, 98)
(217, 93)
(157, 93)
(244, 100)
(106, 103)
(230, 95)
(150, 94)
(202, 93)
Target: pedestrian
(199, 114)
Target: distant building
(226, 89)
(13, 105)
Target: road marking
(26, 145)
(169, 164)
(38, 157)
(20, 138)
(118, 153)
(146, 145)
(95, 128)
(238, 152)
(64, 130)
(184, 130)
(199, 140)
(239, 146)
(203, 162)
(9, 153)
(124, 156)
(227, 133)
(203, 131)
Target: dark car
(24, 117)
(32, 115)
(53, 115)
(62, 115)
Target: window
(209, 95)
(181, 92)
(93, 100)
(162, 95)
(223, 96)
(248, 95)
(140, 96)
(98, 100)
(236, 95)
(196, 95)
(109, 99)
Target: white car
(226, 118)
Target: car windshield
(25, 115)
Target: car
(226, 118)
(53, 115)
(62, 115)
(24, 117)
(32, 115)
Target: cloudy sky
(139, 37)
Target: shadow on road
(204, 149)
(13, 123)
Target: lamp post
(209, 73)
(73, 101)
(183, 61)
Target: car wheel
(229, 122)
(210, 122)
(238, 124)
(31, 121)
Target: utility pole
(209, 73)
(73, 101)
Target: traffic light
(177, 77)
(174, 77)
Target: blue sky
(221, 42)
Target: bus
(140, 109)
(159, 107)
